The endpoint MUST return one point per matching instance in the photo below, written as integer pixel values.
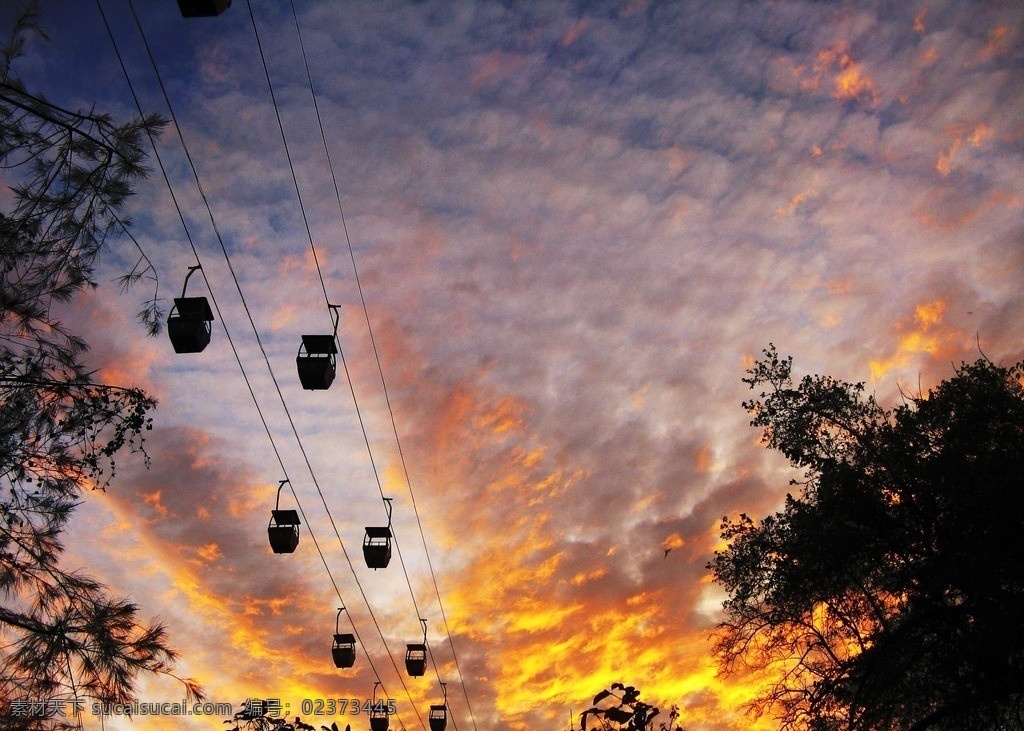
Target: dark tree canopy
(62, 637)
(889, 593)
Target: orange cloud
(126, 361)
(706, 461)
(834, 68)
(574, 31)
(922, 334)
(554, 615)
(790, 206)
(850, 82)
(974, 136)
(209, 552)
(1001, 42)
(502, 417)
(153, 499)
(224, 626)
(673, 541)
(583, 577)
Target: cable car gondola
(315, 362)
(377, 543)
(438, 716)
(416, 655)
(378, 712)
(344, 649)
(283, 529)
(188, 322)
(202, 8)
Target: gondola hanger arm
(335, 317)
(277, 505)
(191, 271)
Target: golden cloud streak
(922, 334)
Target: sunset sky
(575, 226)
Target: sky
(575, 226)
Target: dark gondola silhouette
(315, 361)
(377, 542)
(343, 651)
(438, 716)
(416, 655)
(202, 8)
(283, 530)
(188, 322)
(378, 712)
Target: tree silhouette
(888, 593)
(254, 715)
(61, 636)
(619, 708)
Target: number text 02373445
(342, 706)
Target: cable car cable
(316, 261)
(267, 360)
(287, 152)
(223, 321)
(323, 285)
(380, 369)
(245, 306)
